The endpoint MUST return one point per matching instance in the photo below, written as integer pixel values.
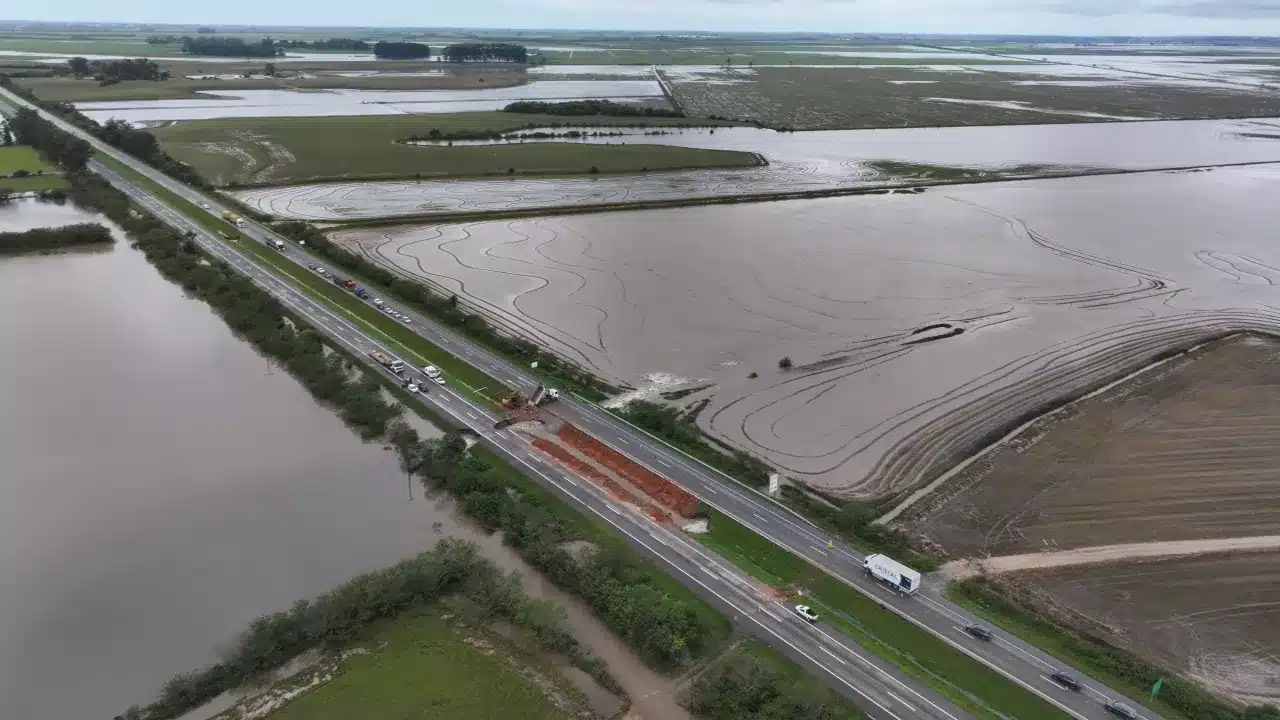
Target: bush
(785, 363)
(589, 107)
(54, 238)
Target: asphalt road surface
(878, 687)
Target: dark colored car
(1066, 680)
(1119, 709)
(978, 631)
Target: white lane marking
(904, 702)
(611, 507)
(662, 462)
(823, 649)
(623, 440)
(758, 515)
(711, 490)
(818, 550)
(472, 415)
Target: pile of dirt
(658, 488)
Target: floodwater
(823, 160)
(1022, 293)
(164, 485)
(289, 103)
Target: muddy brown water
(164, 485)
(1056, 285)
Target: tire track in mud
(931, 437)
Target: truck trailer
(890, 571)
(395, 365)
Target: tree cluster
(743, 687)
(58, 147)
(163, 39)
(452, 570)
(1100, 658)
(330, 44)
(485, 52)
(54, 238)
(401, 50)
(110, 72)
(589, 107)
(230, 47)
(144, 146)
(445, 310)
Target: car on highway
(979, 631)
(431, 371)
(1119, 709)
(807, 613)
(377, 302)
(406, 319)
(204, 205)
(437, 380)
(1065, 680)
(412, 387)
(319, 270)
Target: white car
(805, 612)
(412, 387)
(437, 380)
(406, 319)
(431, 371)
(377, 301)
(319, 271)
(204, 205)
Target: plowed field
(1190, 450)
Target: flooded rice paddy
(164, 485)
(290, 103)
(809, 161)
(915, 323)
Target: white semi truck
(890, 571)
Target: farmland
(831, 98)
(1188, 451)
(1212, 618)
(33, 172)
(284, 150)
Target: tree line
(446, 310)
(110, 72)
(589, 107)
(330, 44)
(384, 50)
(452, 571)
(54, 238)
(117, 133)
(485, 52)
(58, 147)
(230, 47)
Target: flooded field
(827, 160)
(915, 324)
(288, 103)
(165, 485)
(1213, 618)
(1188, 451)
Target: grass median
(405, 342)
(965, 681)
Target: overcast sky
(1085, 17)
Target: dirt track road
(1107, 553)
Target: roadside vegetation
(446, 310)
(1119, 668)
(54, 238)
(850, 521)
(22, 169)
(753, 682)
(965, 681)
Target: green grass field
(425, 670)
(291, 150)
(35, 183)
(410, 346)
(22, 157)
(966, 682)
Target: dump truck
(395, 365)
(891, 572)
(544, 395)
(228, 216)
(348, 284)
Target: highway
(877, 686)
